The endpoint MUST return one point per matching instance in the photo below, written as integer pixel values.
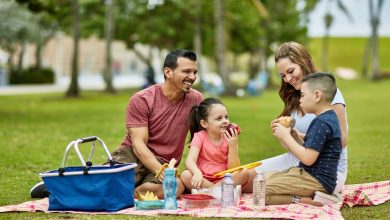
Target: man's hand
(160, 174)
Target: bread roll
(287, 121)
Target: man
(157, 124)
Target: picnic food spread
(197, 201)
(287, 121)
(149, 196)
(248, 166)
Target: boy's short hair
(325, 82)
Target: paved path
(85, 83)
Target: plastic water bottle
(169, 188)
(259, 189)
(227, 191)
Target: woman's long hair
(299, 55)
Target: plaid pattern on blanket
(367, 194)
(354, 195)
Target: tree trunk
(220, 45)
(73, 90)
(38, 56)
(374, 36)
(253, 63)
(147, 61)
(21, 57)
(198, 37)
(325, 42)
(366, 58)
(13, 75)
(109, 30)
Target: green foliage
(17, 25)
(285, 24)
(35, 129)
(167, 26)
(32, 75)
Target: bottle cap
(169, 171)
(228, 174)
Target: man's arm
(139, 139)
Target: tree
(73, 89)
(157, 27)
(108, 30)
(18, 26)
(328, 19)
(198, 36)
(372, 44)
(67, 17)
(220, 44)
(283, 23)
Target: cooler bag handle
(75, 144)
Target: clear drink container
(227, 191)
(259, 189)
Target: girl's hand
(232, 137)
(197, 180)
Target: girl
(213, 148)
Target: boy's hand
(280, 131)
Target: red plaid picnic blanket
(367, 194)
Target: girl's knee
(186, 175)
(180, 188)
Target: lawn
(349, 52)
(35, 129)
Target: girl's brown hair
(298, 55)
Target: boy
(318, 153)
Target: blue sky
(342, 26)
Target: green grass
(35, 129)
(349, 51)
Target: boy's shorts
(293, 181)
(125, 154)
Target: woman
(294, 62)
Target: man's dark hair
(171, 58)
(325, 82)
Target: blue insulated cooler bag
(90, 188)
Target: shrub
(32, 75)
